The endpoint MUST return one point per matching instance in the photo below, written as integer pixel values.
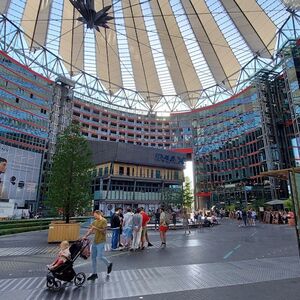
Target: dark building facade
(129, 175)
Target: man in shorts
(163, 227)
(127, 229)
(145, 221)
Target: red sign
(203, 194)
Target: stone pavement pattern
(224, 262)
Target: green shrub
(20, 230)
(23, 225)
(29, 222)
(18, 226)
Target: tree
(257, 203)
(69, 180)
(172, 196)
(288, 204)
(188, 197)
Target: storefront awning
(281, 174)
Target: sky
(188, 171)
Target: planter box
(60, 231)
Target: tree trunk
(67, 218)
(67, 208)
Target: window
(128, 171)
(17, 100)
(157, 174)
(100, 172)
(176, 175)
(106, 171)
(152, 173)
(121, 170)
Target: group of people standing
(129, 231)
(248, 217)
(276, 217)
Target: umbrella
(275, 202)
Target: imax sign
(169, 159)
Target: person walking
(115, 224)
(163, 227)
(174, 215)
(137, 230)
(185, 221)
(244, 217)
(157, 217)
(98, 227)
(253, 216)
(239, 217)
(196, 215)
(121, 216)
(249, 217)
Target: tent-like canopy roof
(167, 52)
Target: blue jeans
(98, 251)
(115, 238)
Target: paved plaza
(223, 262)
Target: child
(63, 255)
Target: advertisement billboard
(19, 174)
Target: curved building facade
(231, 143)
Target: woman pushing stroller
(98, 227)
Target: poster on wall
(19, 174)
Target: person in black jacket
(115, 224)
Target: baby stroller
(65, 272)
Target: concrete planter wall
(60, 231)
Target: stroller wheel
(79, 279)
(50, 282)
(56, 285)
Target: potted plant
(69, 183)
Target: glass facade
(25, 99)
(232, 142)
(24, 106)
